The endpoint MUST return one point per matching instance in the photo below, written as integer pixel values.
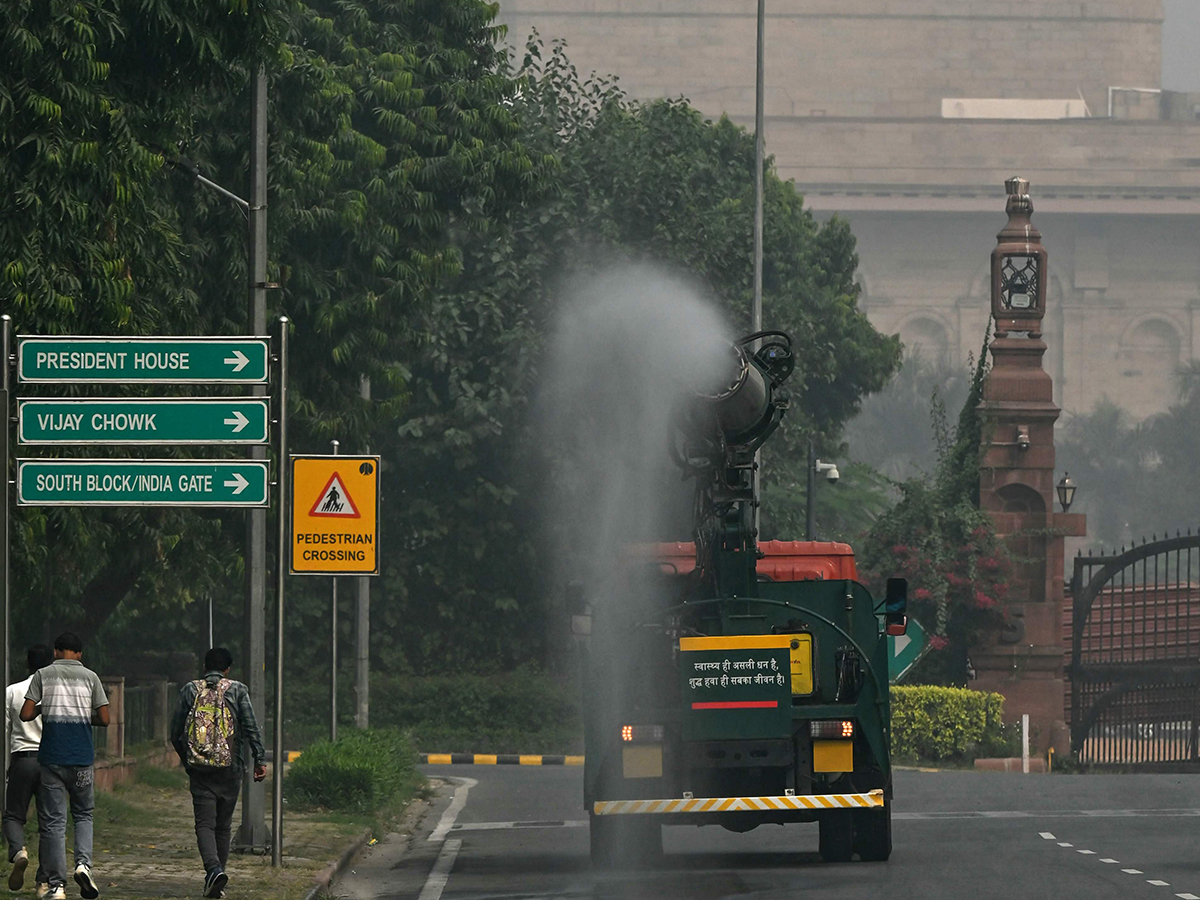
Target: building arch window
(927, 338)
(1148, 361)
(1020, 498)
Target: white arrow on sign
(901, 641)
(237, 420)
(239, 360)
(238, 484)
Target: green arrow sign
(170, 421)
(906, 650)
(151, 360)
(141, 482)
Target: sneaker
(87, 887)
(58, 893)
(40, 890)
(214, 883)
(16, 878)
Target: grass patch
(165, 779)
(362, 772)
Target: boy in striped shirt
(70, 699)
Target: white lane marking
(1046, 836)
(1110, 861)
(436, 882)
(1087, 852)
(500, 826)
(1187, 897)
(452, 811)
(1133, 871)
(1065, 844)
(1157, 883)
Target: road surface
(505, 833)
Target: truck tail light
(642, 734)
(836, 729)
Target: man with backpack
(212, 724)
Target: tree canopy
(431, 197)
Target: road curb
(497, 759)
(328, 876)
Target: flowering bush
(938, 539)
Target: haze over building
(906, 116)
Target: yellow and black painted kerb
(497, 759)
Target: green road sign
(232, 420)
(150, 360)
(141, 482)
(906, 650)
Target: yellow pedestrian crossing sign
(335, 515)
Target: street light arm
(189, 165)
(244, 204)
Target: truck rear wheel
(873, 833)
(837, 835)
(624, 842)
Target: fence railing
(138, 715)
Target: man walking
(70, 699)
(212, 724)
(24, 772)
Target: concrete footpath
(145, 846)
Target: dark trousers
(214, 795)
(24, 774)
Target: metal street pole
(252, 835)
(281, 518)
(5, 388)
(756, 313)
(362, 630)
(333, 645)
(808, 493)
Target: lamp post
(1019, 267)
(1066, 491)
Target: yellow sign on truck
(335, 515)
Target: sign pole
(362, 629)
(251, 834)
(333, 646)
(5, 511)
(281, 567)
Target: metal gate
(1135, 655)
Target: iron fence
(1134, 660)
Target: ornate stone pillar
(1016, 485)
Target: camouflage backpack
(210, 727)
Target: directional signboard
(233, 420)
(142, 482)
(335, 502)
(906, 650)
(149, 360)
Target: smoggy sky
(1181, 37)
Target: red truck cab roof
(782, 560)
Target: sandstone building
(906, 116)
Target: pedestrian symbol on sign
(334, 500)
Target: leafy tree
(89, 92)
(632, 183)
(900, 414)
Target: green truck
(731, 684)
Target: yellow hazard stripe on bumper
(497, 759)
(738, 804)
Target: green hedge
(940, 723)
(516, 712)
(360, 772)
